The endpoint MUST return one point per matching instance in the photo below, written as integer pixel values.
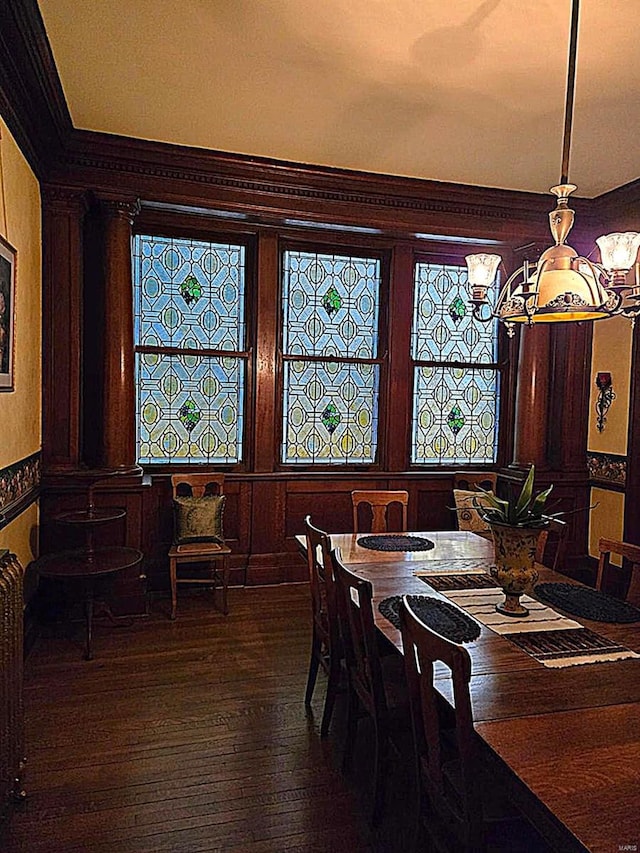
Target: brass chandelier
(562, 287)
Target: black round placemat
(445, 618)
(586, 602)
(396, 543)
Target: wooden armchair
(629, 552)
(379, 502)
(214, 551)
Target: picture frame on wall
(8, 257)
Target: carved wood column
(532, 397)
(569, 397)
(118, 438)
(268, 306)
(63, 210)
(400, 376)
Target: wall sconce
(605, 398)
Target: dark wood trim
(15, 509)
(31, 97)
(284, 191)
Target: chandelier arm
(571, 85)
(613, 305)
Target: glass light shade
(482, 269)
(619, 251)
(558, 296)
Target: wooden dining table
(565, 741)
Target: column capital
(64, 199)
(117, 206)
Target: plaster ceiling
(469, 91)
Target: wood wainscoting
(263, 515)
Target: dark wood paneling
(62, 215)
(632, 490)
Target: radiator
(11, 667)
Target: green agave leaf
(525, 495)
(540, 500)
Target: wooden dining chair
(326, 644)
(461, 806)
(552, 545)
(376, 683)
(379, 502)
(198, 536)
(470, 480)
(630, 553)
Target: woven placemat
(444, 618)
(465, 581)
(396, 543)
(586, 602)
(560, 647)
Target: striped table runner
(548, 636)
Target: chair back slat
(379, 502)
(470, 480)
(197, 485)
(555, 534)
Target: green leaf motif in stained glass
(191, 289)
(455, 420)
(330, 418)
(189, 415)
(457, 310)
(331, 301)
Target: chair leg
(380, 767)
(352, 730)
(225, 585)
(333, 688)
(174, 586)
(314, 663)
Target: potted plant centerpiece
(515, 526)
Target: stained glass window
(330, 352)
(190, 336)
(456, 374)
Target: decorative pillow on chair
(468, 516)
(199, 519)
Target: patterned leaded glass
(456, 393)
(443, 328)
(331, 305)
(189, 408)
(330, 310)
(454, 416)
(189, 295)
(331, 412)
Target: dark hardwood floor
(192, 736)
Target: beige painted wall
(20, 410)
(611, 353)
(606, 519)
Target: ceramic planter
(515, 549)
